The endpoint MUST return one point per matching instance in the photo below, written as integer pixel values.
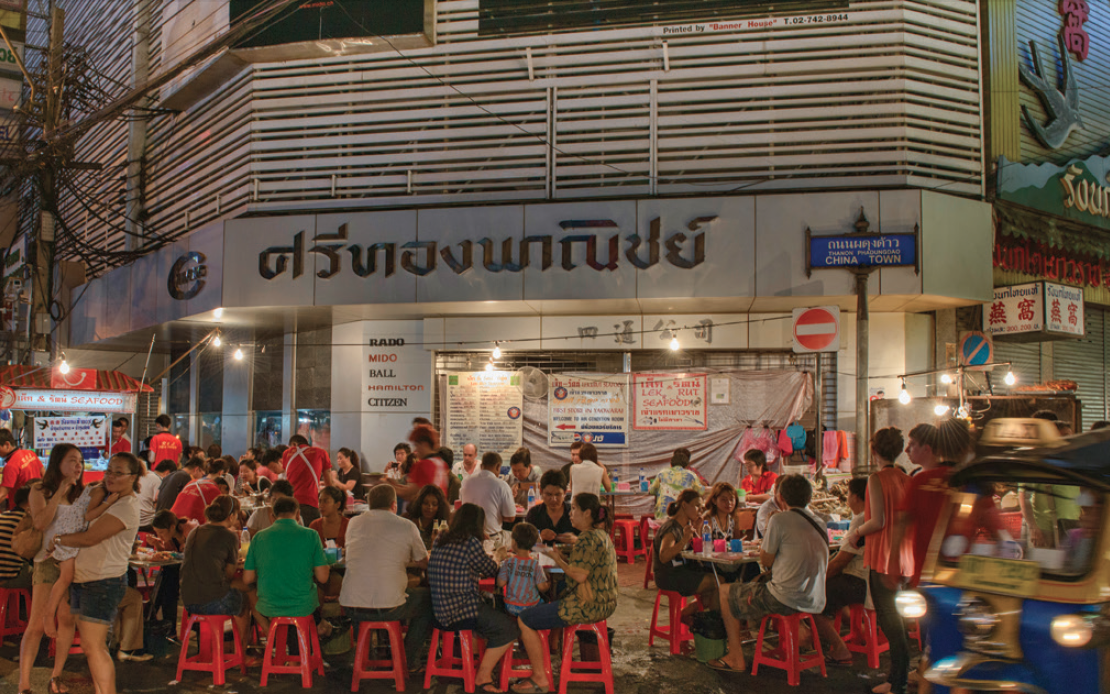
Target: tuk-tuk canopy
(39, 378)
(1084, 458)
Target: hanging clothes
(841, 446)
(786, 446)
(830, 449)
(760, 438)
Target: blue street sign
(879, 250)
(976, 350)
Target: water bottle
(643, 481)
(613, 478)
(531, 497)
(706, 538)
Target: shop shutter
(1025, 357)
(1083, 361)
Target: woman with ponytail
(591, 592)
(672, 539)
(208, 584)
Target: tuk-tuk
(1015, 593)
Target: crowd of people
(432, 529)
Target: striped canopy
(40, 378)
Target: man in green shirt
(285, 558)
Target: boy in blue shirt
(521, 575)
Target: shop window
(210, 381)
(315, 425)
(267, 429)
(268, 380)
(209, 429)
(313, 370)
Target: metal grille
(1084, 361)
(890, 98)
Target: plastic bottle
(613, 478)
(531, 497)
(643, 481)
(706, 538)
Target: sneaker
(139, 656)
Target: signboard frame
(642, 379)
(861, 236)
(564, 435)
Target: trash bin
(587, 645)
(709, 635)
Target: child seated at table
(75, 518)
(521, 575)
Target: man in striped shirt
(15, 571)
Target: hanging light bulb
(904, 396)
(497, 350)
(940, 410)
(489, 366)
(675, 346)
(945, 379)
(1010, 378)
(64, 368)
(216, 342)
(238, 354)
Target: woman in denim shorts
(60, 485)
(100, 576)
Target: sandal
(722, 666)
(527, 686)
(488, 688)
(829, 660)
(57, 686)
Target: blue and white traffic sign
(976, 349)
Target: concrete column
(289, 387)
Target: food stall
(73, 407)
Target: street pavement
(638, 668)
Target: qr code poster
(83, 432)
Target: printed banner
(485, 408)
(83, 432)
(669, 402)
(592, 408)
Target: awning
(38, 377)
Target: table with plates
(146, 562)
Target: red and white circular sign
(817, 329)
(7, 398)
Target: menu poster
(484, 408)
(591, 408)
(83, 432)
(669, 402)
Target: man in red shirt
(429, 468)
(119, 443)
(197, 495)
(20, 467)
(304, 466)
(164, 445)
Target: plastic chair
(624, 531)
(675, 632)
(396, 668)
(586, 671)
(787, 655)
(649, 573)
(11, 623)
(210, 655)
(277, 655)
(521, 667)
(447, 665)
(864, 635)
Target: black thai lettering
(408, 257)
(367, 267)
(283, 253)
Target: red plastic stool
(11, 624)
(487, 585)
(308, 639)
(624, 531)
(648, 528)
(787, 655)
(675, 632)
(447, 665)
(74, 648)
(520, 667)
(210, 655)
(913, 630)
(864, 635)
(586, 671)
(396, 668)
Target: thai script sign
(539, 251)
(485, 408)
(878, 250)
(591, 408)
(1078, 190)
(1037, 307)
(669, 402)
(83, 432)
(73, 401)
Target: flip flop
(829, 660)
(489, 688)
(528, 686)
(722, 666)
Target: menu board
(83, 432)
(669, 402)
(484, 408)
(591, 408)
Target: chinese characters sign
(83, 432)
(485, 408)
(672, 402)
(1035, 308)
(1076, 39)
(592, 408)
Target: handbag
(26, 540)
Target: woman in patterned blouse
(454, 567)
(591, 593)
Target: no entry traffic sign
(816, 329)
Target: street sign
(976, 349)
(816, 329)
(871, 250)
